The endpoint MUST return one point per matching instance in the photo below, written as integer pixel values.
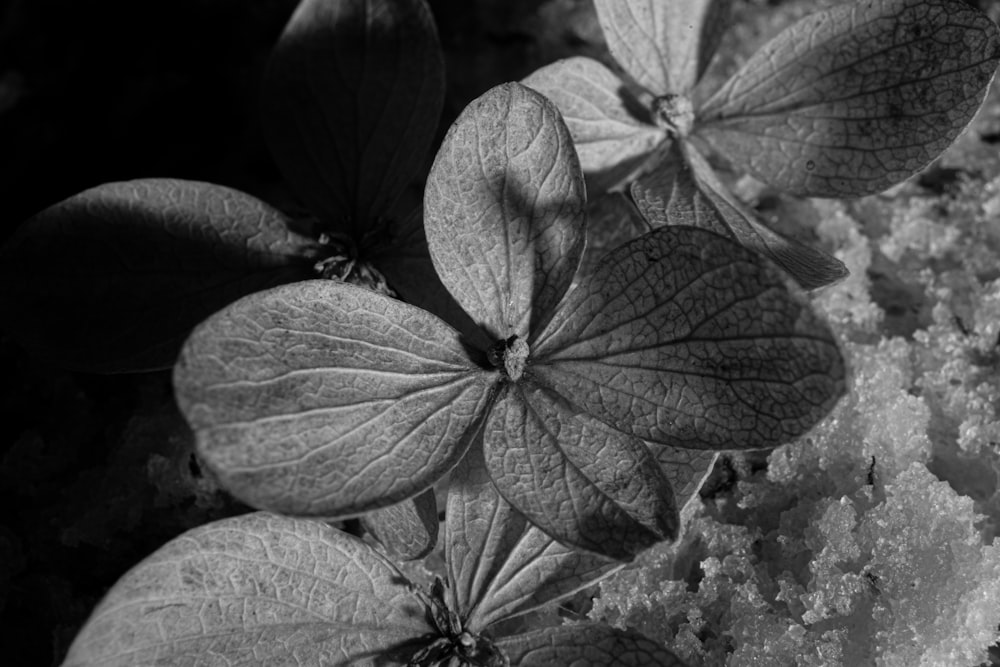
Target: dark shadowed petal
(256, 590)
(326, 399)
(683, 190)
(499, 564)
(408, 530)
(503, 210)
(582, 482)
(350, 103)
(407, 267)
(664, 46)
(682, 337)
(855, 98)
(586, 645)
(113, 279)
(612, 132)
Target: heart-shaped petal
(503, 210)
(685, 338)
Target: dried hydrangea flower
(844, 103)
(324, 399)
(263, 590)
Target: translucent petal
(856, 98)
(325, 399)
(503, 210)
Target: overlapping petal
(499, 564)
(682, 337)
(351, 98)
(584, 483)
(503, 210)
(257, 590)
(686, 469)
(683, 190)
(408, 269)
(407, 530)
(612, 131)
(664, 46)
(325, 399)
(114, 278)
(855, 98)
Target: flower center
(345, 259)
(674, 113)
(510, 355)
(453, 643)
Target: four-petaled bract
(263, 590)
(269, 590)
(846, 102)
(329, 400)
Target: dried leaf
(664, 46)
(586, 645)
(408, 530)
(585, 484)
(613, 133)
(503, 210)
(351, 100)
(683, 190)
(684, 338)
(855, 98)
(499, 564)
(256, 590)
(113, 279)
(326, 399)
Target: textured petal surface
(408, 530)
(682, 337)
(856, 98)
(664, 46)
(113, 279)
(350, 103)
(407, 267)
(582, 482)
(326, 399)
(499, 564)
(612, 133)
(683, 190)
(686, 469)
(255, 590)
(503, 210)
(586, 645)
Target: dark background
(96, 471)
